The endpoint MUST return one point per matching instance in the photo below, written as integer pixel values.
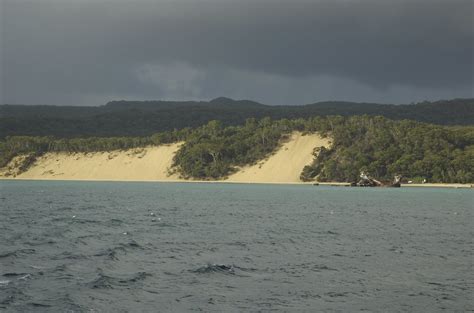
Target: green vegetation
(378, 145)
(213, 151)
(144, 118)
(385, 148)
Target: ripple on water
(15, 275)
(222, 269)
(215, 268)
(103, 281)
(112, 253)
(17, 253)
(63, 303)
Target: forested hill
(143, 118)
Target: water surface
(172, 247)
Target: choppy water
(153, 247)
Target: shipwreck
(367, 181)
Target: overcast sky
(88, 52)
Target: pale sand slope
(151, 163)
(286, 164)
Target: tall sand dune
(286, 164)
(150, 163)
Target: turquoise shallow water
(170, 247)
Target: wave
(67, 255)
(14, 274)
(17, 252)
(215, 268)
(111, 253)
(39, 305)
(84, 221)
(221, 268)
(114, 222)
(104, 281)
(319, 268)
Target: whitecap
(25, 277)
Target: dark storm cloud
(84, 51)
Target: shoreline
(153, 164)
(315, 184)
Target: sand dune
(286, 164)
(153, 164)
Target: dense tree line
(385, 148)
(144, 118)
(378, 145)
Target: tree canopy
(144, 118)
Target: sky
(89, 52)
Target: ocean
(184, 247)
